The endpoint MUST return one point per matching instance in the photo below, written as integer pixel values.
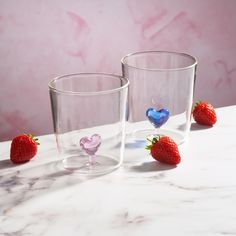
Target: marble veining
(198, 197)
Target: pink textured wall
(43, 39)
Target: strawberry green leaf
(149, 147)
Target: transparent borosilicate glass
(89, 111)
(160, 94)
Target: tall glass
(160, 93)
(89, 111)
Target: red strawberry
(23, 148)
(204, 113)
(165, 150)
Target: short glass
(89, 111)
(160, 93)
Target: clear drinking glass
(160, 93)
(89, 111)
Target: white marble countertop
(143, 197)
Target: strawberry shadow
(4, 164)
(196, 127)
(152, 167)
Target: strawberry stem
(152, 141)
(149, 140)
(34, 138)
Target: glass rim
(87, 93)
(124, 62)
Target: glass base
(142, 135)
(81, 165)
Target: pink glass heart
(91, 144)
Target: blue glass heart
(157, 118)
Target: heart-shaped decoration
(91, 144)
(157, 118)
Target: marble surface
(198, 197)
